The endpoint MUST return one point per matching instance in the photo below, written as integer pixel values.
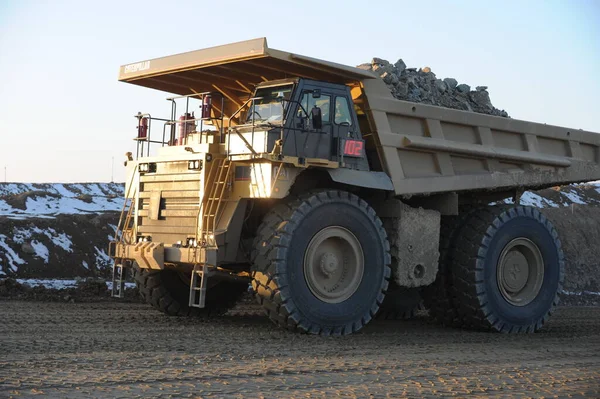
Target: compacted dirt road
(112, 349)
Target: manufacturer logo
(137, 67)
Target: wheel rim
(333, 264)
(520, 271)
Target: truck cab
(303, 121)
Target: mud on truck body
(335, 201)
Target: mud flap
(362, 178)
(414, 235)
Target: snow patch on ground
(64, 189)
(573, 197)
(40, 250)
(580, 293)
(532, 199)
(68, 205)
(59, 239)
(102, 257)
(53, 284)
(21, 235)
(62, 240)
(127, 285)
(60, 284)
(11, 255)
(15, 188)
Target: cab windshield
(267, 107)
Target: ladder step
(198, 284)
(118, 281)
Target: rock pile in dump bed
(422, 86)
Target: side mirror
(316, 93)
(317, 119)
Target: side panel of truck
(429, 149)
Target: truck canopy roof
(233, 69)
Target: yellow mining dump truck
(335, 201)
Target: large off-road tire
(321, 263)
(167, 291)
(439, 297)
(507, 270)
(401, 303)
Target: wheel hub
(516, 271)
(329, 264)
(333, 264)
(520, 271)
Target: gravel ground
(116, 349)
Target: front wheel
(168, 291)
(321, 263)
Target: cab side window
(342, 111)
(323, 102)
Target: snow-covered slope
(557, 197)
(21, 200)
(57, 230)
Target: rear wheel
(439, 296)
(507, 270)
(167, 291)
(321, 263)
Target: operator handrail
(217, 122)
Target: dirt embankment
(579, 231)
(63, 247)
(84, 290)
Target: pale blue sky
(63, 114)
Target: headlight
(195, 165)
(147, 167)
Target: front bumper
(154, 255)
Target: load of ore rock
(422, 86)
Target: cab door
(348, 145)
(312, 142)
(343, 126)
